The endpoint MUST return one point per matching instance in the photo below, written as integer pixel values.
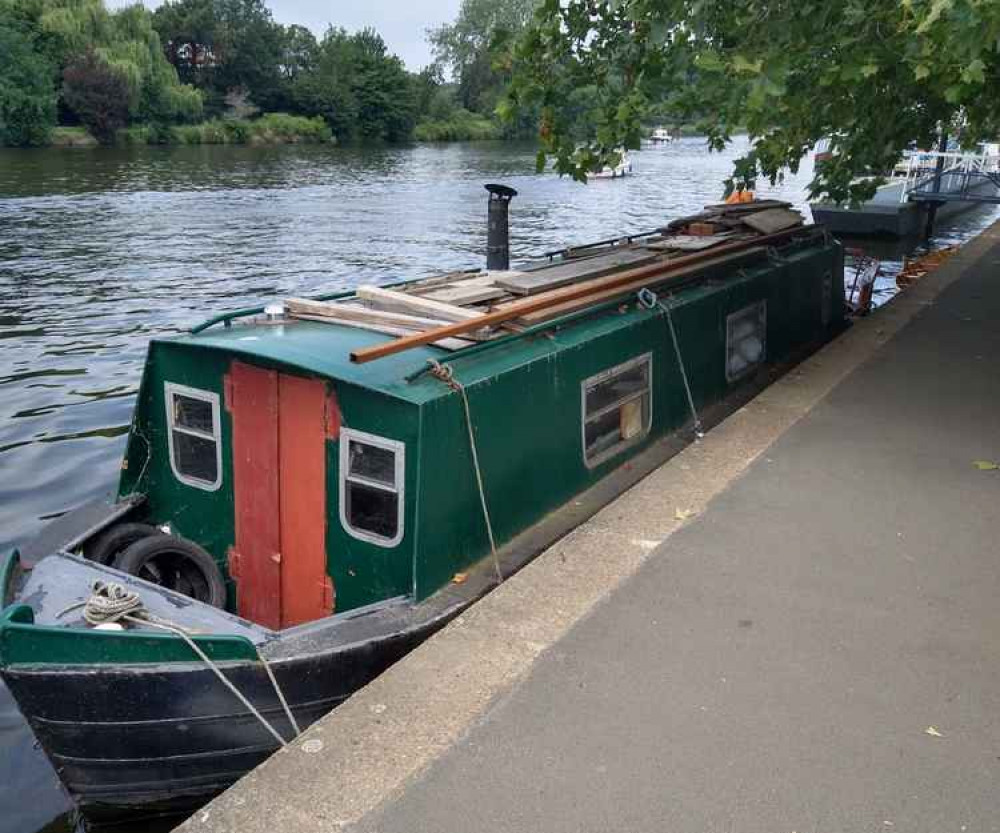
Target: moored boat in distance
(661, 135)
(620, 168)
(313, 487)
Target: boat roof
(319, 336)
(321, 349)
(324, 350)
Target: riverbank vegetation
(74, 72)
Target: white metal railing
(921, 165)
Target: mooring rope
(111, 602)
(649, 299)
(446, 374)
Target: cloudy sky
(402, 23)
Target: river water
(100, 250)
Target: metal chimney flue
(498, 233)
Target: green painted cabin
(554, 410)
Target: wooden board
(561, 274)
(689, 242)
(745, 207)
(623, 292)
(443, 343)
(772, 220)
(410, 304)
(656, 272)
(357, 312)
(422, 285)
(465, 292)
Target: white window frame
(399, 449)
(170, 389)
(760, 307)
(597, 378)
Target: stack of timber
(456, 309)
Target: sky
(402, 23)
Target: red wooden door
(278, 558)
(306, 590)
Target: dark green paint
(525, 398)
(24, 643)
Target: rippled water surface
(100, 250)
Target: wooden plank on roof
(772, 220)
(550, 299)
(690, 242)
(567, 307)
(395, 301)
(466, 292)
(422, 285)
(450, 343)
(358, 312)
(561, 274)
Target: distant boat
(661, 134)
(623, 167)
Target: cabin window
(371, 487)
(617, 409)
(746, 340)
(194, 436)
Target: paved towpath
(818, 652)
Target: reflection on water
(100, 250)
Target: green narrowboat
(291, 519)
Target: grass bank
(269, 129)
(462, 126)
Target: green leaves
(871, 75)
(744, 66)
(975, 72)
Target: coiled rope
(446, 374)
(111, 602)
(649, 300)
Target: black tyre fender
(178, 564)
(109, 545)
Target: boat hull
(167, 738)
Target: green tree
(361, 90)
(870, 75)
(63, 30)
(27, 88)
(223, 45)
(98, 94)
(469, 47)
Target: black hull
(162, 739)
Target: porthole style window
(194, 436)
(371, 487)
(617, 409)
(746, 340)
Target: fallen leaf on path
(934, 733)
(986, 465)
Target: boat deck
(422, 305)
